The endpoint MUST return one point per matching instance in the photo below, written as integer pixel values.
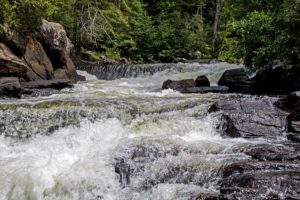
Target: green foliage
(255, 31)
(26, 15)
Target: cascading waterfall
(120, 139)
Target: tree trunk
(215, 28)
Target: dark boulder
(57, 84)
(250, 118)
(213, 89)
(248, 166)
(291, 103)
(10, 87)
(272, 80)
(279, 80)
(10, 64)
(236, 80)
(180, 86)
(202, 81)
(285, 183)
(40, 65)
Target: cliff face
(43, 56)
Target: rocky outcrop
(10, 87)
(40, 66)
(250, 118)
(41, 59)
(59, 49)
(179, 85)
(277, 80)
(272, 170)
(10, 64)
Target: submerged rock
(250, 118)
(40, 66)
(59, 49)
(276, 80)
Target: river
(116, 139)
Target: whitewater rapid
(84, 143)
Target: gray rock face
(10, 64)
(236, 80)
(202, 81)
(180, 85)
(250, 118)
(59, 48)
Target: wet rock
(213, 89)
(289, 102)
(248, 166)
(202, 81)
(294, 137)
(10, 64)
(263, 152)
(180, 85)
(284, 183)
(57, 84)
(40, 65)
(10, 87)
(250, 118)
(59, 48)
(273, 80)
(236, 80)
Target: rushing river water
(119, 139)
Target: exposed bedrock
(250, 118)
(41, 56)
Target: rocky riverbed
(127, 138)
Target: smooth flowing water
(119, 139)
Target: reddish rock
(38, 61)
(202, 81)
(10, 64)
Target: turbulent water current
(118, 139)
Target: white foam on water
(73, 163)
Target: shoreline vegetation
(258, 33)
(40, 40)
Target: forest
(255, 32)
